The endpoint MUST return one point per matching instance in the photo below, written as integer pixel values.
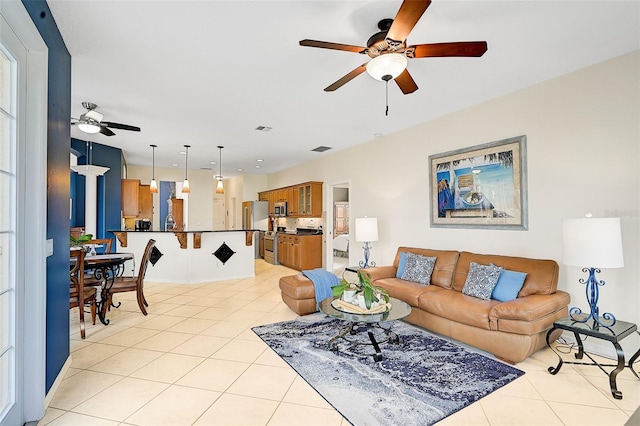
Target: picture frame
(480, 187)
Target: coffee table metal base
(353, 327)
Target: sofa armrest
(530, 308)
(380, 272)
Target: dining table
(105, 268)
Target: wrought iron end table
(613, 334)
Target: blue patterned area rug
(419, 381)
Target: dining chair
(135, 283)
(79, 295)
(105, 242)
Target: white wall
(583, 142)
(200, 198)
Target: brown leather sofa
(510, 330)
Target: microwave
(280, 209)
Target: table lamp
(592, 243)
(366, 231)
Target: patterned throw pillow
(481, 280)
(419, 268)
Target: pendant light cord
(386, 79)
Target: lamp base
(593, 294)
(366, 263)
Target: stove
(271, 247)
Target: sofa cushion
(542, 275)
(442, 275)
(402, 265)
(406, 291)
(481, 280)
(508, 285)
(419, 268)
(458, 307)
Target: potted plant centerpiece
(371, 294)
(80, 241)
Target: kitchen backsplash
(302, 222)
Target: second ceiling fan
(388, 49)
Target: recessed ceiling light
(377, 135)
(174, 165)
(257, 166)
(183, 152)
(212, 162)
(259, 160)
(241, 170)
(263, 128)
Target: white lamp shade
(219, 187)
(592, 242)
(392, 64)
(153, 186)
(366, 229)
(185, 187)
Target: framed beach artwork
(484, 186)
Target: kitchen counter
(189, 257)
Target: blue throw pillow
(402, 264)
(508, 286)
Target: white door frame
(30, 225)
(328, 226)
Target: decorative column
(91, 174)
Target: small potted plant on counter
(365, 291)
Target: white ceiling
(207, 73)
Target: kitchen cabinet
(309, 200)
(261, 243)
(301, 252)
(130, 189)
(177, 209)
(145, 203)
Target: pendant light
(220, 186)
(153, 186)
(185, 184)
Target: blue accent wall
(58, 184)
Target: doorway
(338, 224)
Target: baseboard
(57, 382)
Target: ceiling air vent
(321, 149)
(263, 128)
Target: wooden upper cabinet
(304, 200)
(309, 200)
(130, 197)
(145, 203)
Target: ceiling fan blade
(407, 18)
(405, 82)
(334, 46)
(121, 126)
(462, 48)
(347, 78)
(105, 131)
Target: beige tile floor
(195, 361)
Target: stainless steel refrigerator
(255, 215)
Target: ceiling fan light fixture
(89, 126)
(388, 64)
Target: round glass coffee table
(370, 322)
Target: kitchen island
(190, 257)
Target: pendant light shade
(153, 186)
(185, 184)
(220, 186)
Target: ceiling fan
(91, 122)
(388, 49)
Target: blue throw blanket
(322, 280)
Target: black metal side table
(613, 334)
